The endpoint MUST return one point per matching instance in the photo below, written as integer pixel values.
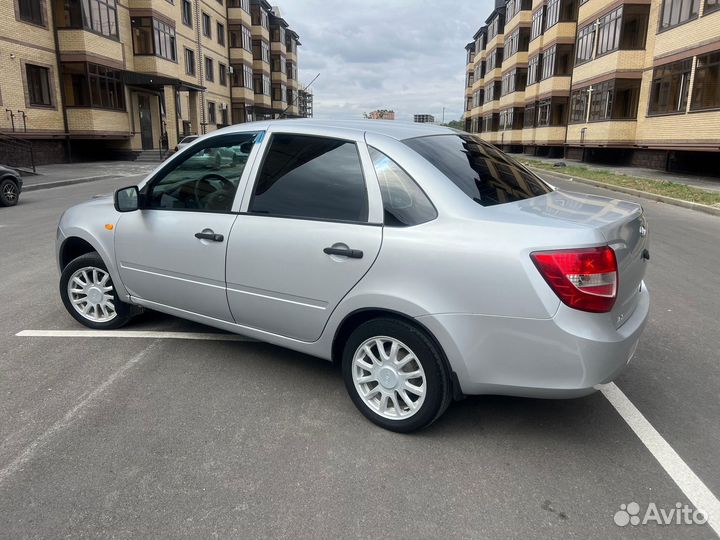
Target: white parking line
(688, 482)
(203, 336)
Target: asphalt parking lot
(155, 437)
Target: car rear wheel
(395, 375)
(89, 295)
(8, 192)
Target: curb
(62, 183)
(636, 192)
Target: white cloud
(405, 55)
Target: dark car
(10, 186)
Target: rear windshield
(485, 174)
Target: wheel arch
(359, 316)
(72, 248)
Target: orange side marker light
(109, 226)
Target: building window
(261, 84)
(557, 61)
(609, 32)
(261, 51)
(241, 37)
(560, 11)
(279, 92)
(32, 11)
(99, 16)
(190, 62)
(551, 112)
(224, 115)
(676, 12)
(706, 86)
(209, 69)
(669, 88)
(278, 34)
(513, 81)
(244, 4)
(609, 100)
(495, 27)
(537, 23)
(187, 13)
(291, 71)
(153, 37)
(495, 59)
(222, 74)
(212, 119)
(92, 85)
(584, 50)
(533, 69)
(517, 40)
(206, 25)
(259, 16)
(710, 6)
(578, 106)
(529, 116)
(38, 84)
(220, 31)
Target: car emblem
(643, 231)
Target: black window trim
(178, 159)
(266, 150)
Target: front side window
(404, 203)
(38, 83)
(669, 87)
(676, 12)
(483, 173)
(204, 181)
(706, 87)
(311, 177)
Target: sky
(404, 55)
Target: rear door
(309, 229)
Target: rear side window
(404, 203)
(485, 174)
(311, 177)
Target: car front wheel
(395, 375)
(9, 192)
(89, 295)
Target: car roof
(390, 128)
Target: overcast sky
(404, 55)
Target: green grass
(658, 187)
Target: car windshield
(485, 174)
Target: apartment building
(629, 81)
(381, 114)
(423, 118)
(110, 78)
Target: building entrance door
(146, 133)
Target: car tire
(385, 384)
(9, 192)
(92, 287)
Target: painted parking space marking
(689, 483)
(201, 336)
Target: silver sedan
(423, 261)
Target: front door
(146, 131)
(172, 251)
(305, 239)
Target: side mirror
(127, 199)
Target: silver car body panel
(466, 276)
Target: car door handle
(209, 236)
(344, 252)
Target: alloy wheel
(9, 192)
(90, 291)
(389, 378)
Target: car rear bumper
(565, 356)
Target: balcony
(238, 54)
(238, 15)
(615, 61)
(73, 41)
(86, 121)
(550, 135)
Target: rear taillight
(584, 279)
